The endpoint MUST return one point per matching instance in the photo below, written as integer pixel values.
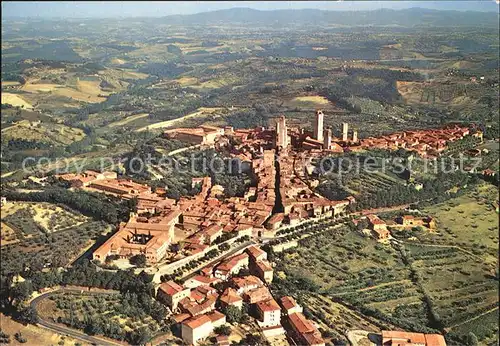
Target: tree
(140, 336)
(21, 292)
(28, 315)
(20, 338)
(4, 338)
(138, 260)
(253, 340)
(92, 326)
(233, 314)
(471, 339)
(223, 330)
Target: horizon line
(4, 17)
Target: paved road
(218, 259)
(69, 331)
(169, 268)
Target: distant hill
(383, 17)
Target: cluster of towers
(325, 135)
(322, 137)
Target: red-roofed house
(257, 295)
(256, 253)
(200, 280)
(275, 221)
(289, 305)
(304, 331)
(217, 318)
(246, 283)
(263, 270)
(435, 340)
(196, 328)
(171, 294)
(394, 338)
(409, 220)
(194, 308)
(375, 222)
(231, 266)
(231, 298)
(379, 227)
(269, 313)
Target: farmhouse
(412, 221)
(379, 227)
(391, 338)
(206, 135)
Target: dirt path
(447, 246)
(473, 318)
(381, 210)
(385, 284)
(168, 123)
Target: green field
(459, 284)
(469, 221)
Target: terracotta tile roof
(375, 220)
(288, 302)
(215, 316)
(197, 321)
(435, 340)
(313, 339)
(301, 324)
(205, 279)
(247, 281)
(264, 266)
(256, 252)
(197, 296)
(276, 218)
(257, 295)
(230, 263)
(207, 271)
(415, 338)
(230, 296)
(195, 308)
(181, 317)
(171, 288)
(268, 305)
(206, 290)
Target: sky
(106, 9)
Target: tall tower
(327, 134)
(278, 133)
(318, 126)
(345, 129)
(355, 136)
(281, 132)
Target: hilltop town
(209, 226)
(245, 177)
(279, 160)
(213, 259)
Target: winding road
(57, 328)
